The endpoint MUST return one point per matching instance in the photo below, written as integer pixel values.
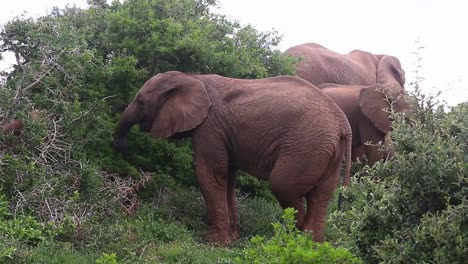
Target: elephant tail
(348, 142)
(347, 136)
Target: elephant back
(319, 65)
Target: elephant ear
(185, 105)
(390, 73)
(374, 104)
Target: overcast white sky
(390, 27)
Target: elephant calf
(281, 129)
(365, 107)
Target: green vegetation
(414, 208)
(67, 197)
(289, 245)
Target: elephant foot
(219, 237)
(234, 235)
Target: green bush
(256, 216)
(412, 208)
(19, 229)
(289, 245)
(254, 187)
(439, 238)
(107, 259)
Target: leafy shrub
(289, 245)
(439, 238)
(107, 259)
(188, 252)
(412, 208)
(256, 216)
(254, 187)
(19, 229)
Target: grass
(166, 229)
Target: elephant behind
(319, 65)
(281, 129)
(366, 108)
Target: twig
(48, 207)
(38, 80)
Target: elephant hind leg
(318, 199)
(286, 191)
(287, 200)
(232, 202)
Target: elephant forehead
(161, 81)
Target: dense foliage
(289, 245)
(67, 197)
(414, 208)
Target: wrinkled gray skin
(280, 129)
(319, 65)
(366, 109)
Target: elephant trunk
(121, 138)
(121, 132)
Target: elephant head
(390, 73)
(167, 104)
(375, 102)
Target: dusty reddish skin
(323, 67)
(281, 129)
(364, 107)
(319, 65)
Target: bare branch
(38, 80)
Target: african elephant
(281, 129)
(364, 106)
(319, 65)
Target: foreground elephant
(319, 65)
(364, 106)
(280, 129)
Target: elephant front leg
(232, 203)
(213, 181)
